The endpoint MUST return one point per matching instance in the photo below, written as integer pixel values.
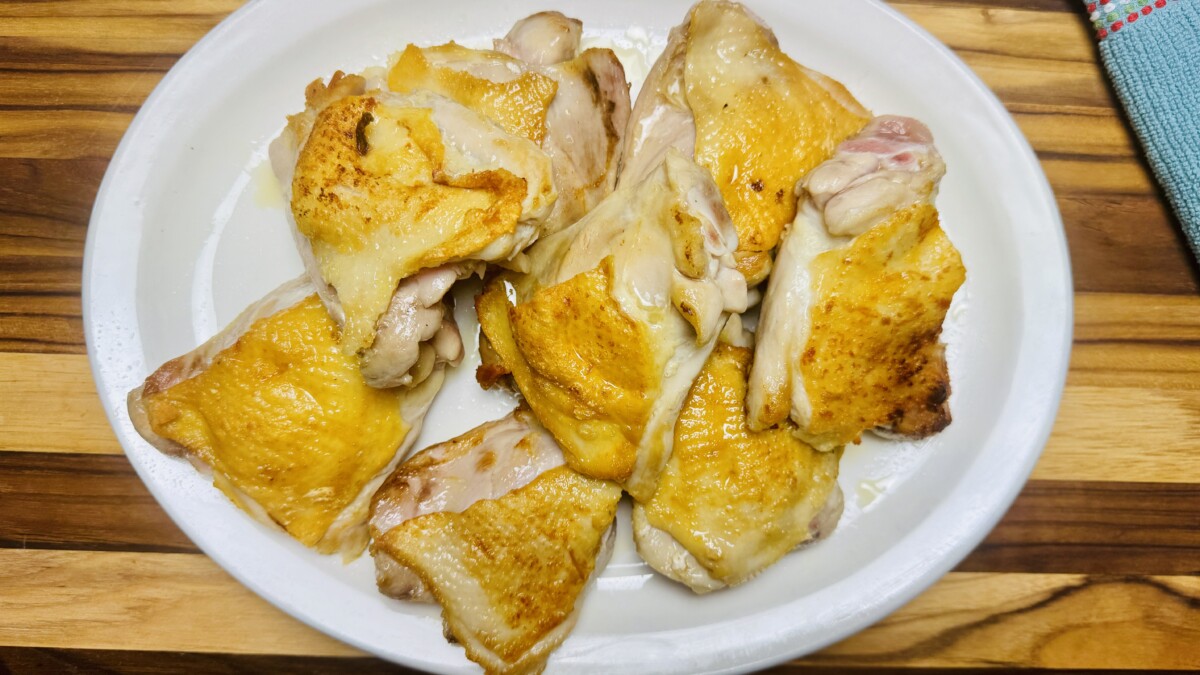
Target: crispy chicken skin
(731, 501)
(605, 334)
(283, 421)
(849, 337)
(719, 91)
(487, 462)
(497, 531)
(388, 185)
(451, 159)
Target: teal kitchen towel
(1151, 49)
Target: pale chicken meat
(417, 332)
(849, 336)
(283, 420)
(731, 501)
(724, 92)
(574, 104)
(605, 333)
(543, 39)
(387, 185)
(494, 528)
(451, 159)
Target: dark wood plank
(45, 205)
(805, 668)
(1096, 528)
(81, 502)
(1068, 6)
(57, 190)
(19, 660)
(44, 323)
(1127, 244)
(97, 502)
(24, 54)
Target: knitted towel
(1151, 49)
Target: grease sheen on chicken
(453, 159)
(605, 334)
(731, 501)
(849, 338)
(724, 92)
(283, 419)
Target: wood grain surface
(1095, 567)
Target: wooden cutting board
(1096, 565)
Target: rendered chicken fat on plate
(725, 93)
(731, 501)
(283, 420)
(849, 336)
(616, 317)
(497, 531)
(452, 159)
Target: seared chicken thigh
(617, 315)
(586, 121)
(451, 159)
(496, 530)
(849, 334)
(731, 501)
(487, 462)
(283, 420)
(724, 92)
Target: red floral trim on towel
(1110, 17)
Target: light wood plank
(1079, 175)
(1130, 412)
(94, 9)
(1124, 434)
(152, 601)
(1039, 621)
(1137, 317)
(1019, 79)
(50, 405)
(989, 28)
(137, 31)
(183, 602)
(61, 134)
(100, 90)
(1080, 131)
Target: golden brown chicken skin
(509, 572)
(732, 501)
(849, 337)
(874, 358)
(283, 419)
(606, 333)
(724, 92)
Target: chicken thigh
(452, 159)
(731, 501)
(605, 333)
(283, 420)
(497, 531)
(724, 92)
(849, 336)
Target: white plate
(187, 231)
